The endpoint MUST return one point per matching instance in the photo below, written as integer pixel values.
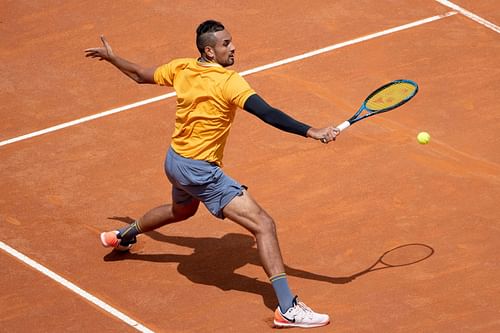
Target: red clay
(338, 207)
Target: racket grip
(344, 125)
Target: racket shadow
(400, 256)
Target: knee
(266, 224)
(184, 213)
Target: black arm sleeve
(274, 117)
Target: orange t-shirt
(207, 98)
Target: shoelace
(307, 311)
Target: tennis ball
(423, 138)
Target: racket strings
(391, 96)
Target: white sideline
(247, 72)
(71, 286)
(470, 15)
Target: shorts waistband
(172, 153)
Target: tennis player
(208, 95)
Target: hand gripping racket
(385, 98)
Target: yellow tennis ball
(423, 138)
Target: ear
(209, 52)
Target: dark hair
(205, 34)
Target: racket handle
(344, 125)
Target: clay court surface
(338, 207)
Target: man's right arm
(136, 72)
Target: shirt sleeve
(237, 90)
(164, 75)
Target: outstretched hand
(325, 134)
(103, 53)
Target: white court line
(351, 42)
(106, 307)
(470, 15)
(247, 72)
(87, 118)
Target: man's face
(223, 51)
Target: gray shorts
(201, 180)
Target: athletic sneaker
(112, 239)
(299, 315)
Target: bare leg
(245, 211)
(166, 214)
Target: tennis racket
(385, 98)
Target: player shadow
(214, 262)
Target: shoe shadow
(214, 262)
